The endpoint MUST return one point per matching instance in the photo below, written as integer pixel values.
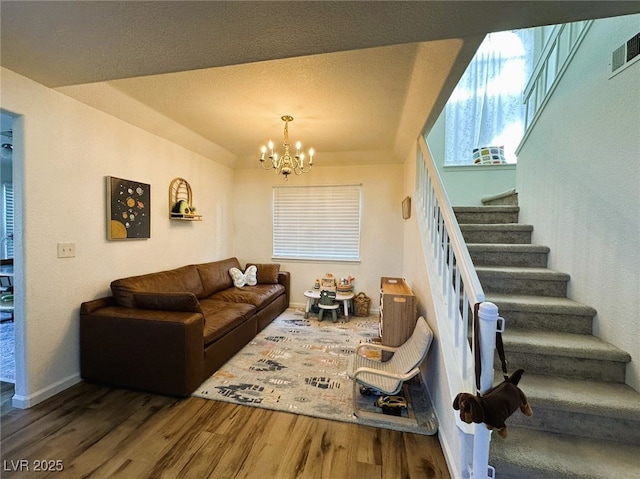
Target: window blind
(8, 220)
(317, 222)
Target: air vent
(618, 58)
(625, 55)
(633, 47)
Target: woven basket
(361, 303)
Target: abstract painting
(128, 209)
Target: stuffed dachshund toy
(495, 406)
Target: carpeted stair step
(586, 408)
(565, 355)
(532, 281)
(522, 255)
(496, 233)
(486, 214)
(543, 313)
(531, 454)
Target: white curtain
(486, 107)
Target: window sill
(314, 260)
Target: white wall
(381, 227)
(578, 182)
(417, 271)
(63, 151)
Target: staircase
(586, 421)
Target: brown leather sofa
(167, 332)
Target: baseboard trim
(30, 400)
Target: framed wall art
(406, 208)
(128, 209)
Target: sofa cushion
(221, 317)
(181, 280)
(267, 272)
(248, 278)
(215, 276)
(259, 295)
(168, 301)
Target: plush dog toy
(495, 406)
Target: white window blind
(317, 222)
(8, 220)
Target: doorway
(7, 316)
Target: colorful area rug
(302, 366)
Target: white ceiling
(217, 76)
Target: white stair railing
(461, 290)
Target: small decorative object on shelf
(180, 201)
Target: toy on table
(345, 285)
(328, 283)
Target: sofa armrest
(284, 278)
(157, 351)
(89, 307)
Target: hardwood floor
(92, 431)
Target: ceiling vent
(625, 55)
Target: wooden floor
(97, 432)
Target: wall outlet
(66, 250)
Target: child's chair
(327, 301)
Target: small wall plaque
(406, 208)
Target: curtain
(486, 108)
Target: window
(7, 237)
(486, 107)
(317, 222)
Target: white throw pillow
(249, 277)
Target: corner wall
(455, 444)
(63, 149)
(578, 183)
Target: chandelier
(286, 164)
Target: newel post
(487, 327)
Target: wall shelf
(185, 217)
(180, 190)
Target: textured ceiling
(216, 76)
